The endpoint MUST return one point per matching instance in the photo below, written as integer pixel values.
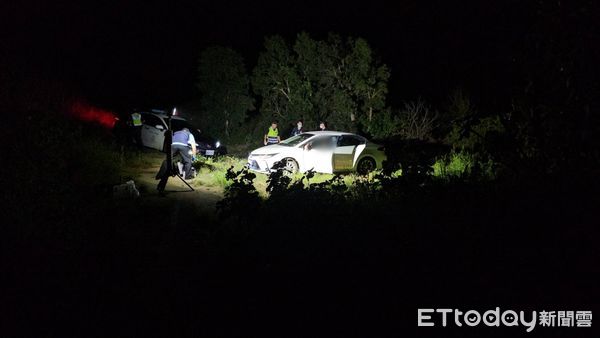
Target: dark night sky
(145, 53)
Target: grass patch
(211, 172)
(463, 164)
(455, 164)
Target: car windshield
(180, 124)
(295, 140)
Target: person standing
(136, 129)
(272, 135)
(182, 140)
(322, 126)
(298, 129)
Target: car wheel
(365, 166)
(291, 165)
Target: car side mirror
(159, 127)
(308, 147)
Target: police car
(155, 125)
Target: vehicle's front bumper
(258, 165)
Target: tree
(417, 121)
(334, 80)
(277, 80)
(224, 89)
(366, 81)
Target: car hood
(270, 149)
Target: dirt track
(200, 201)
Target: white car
(322, 151)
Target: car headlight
(217, 144)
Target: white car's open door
(344, 157)
(346, 153)
(153, 137)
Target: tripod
(167, 168)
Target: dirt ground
(201, 201)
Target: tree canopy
(336, 80)
(224, 88)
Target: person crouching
(182, 140)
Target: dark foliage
(454, 241)
(414, 157)
(241, 198)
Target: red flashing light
(86, 112)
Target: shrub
(455, 164)
(241, 197)
(417, 121)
